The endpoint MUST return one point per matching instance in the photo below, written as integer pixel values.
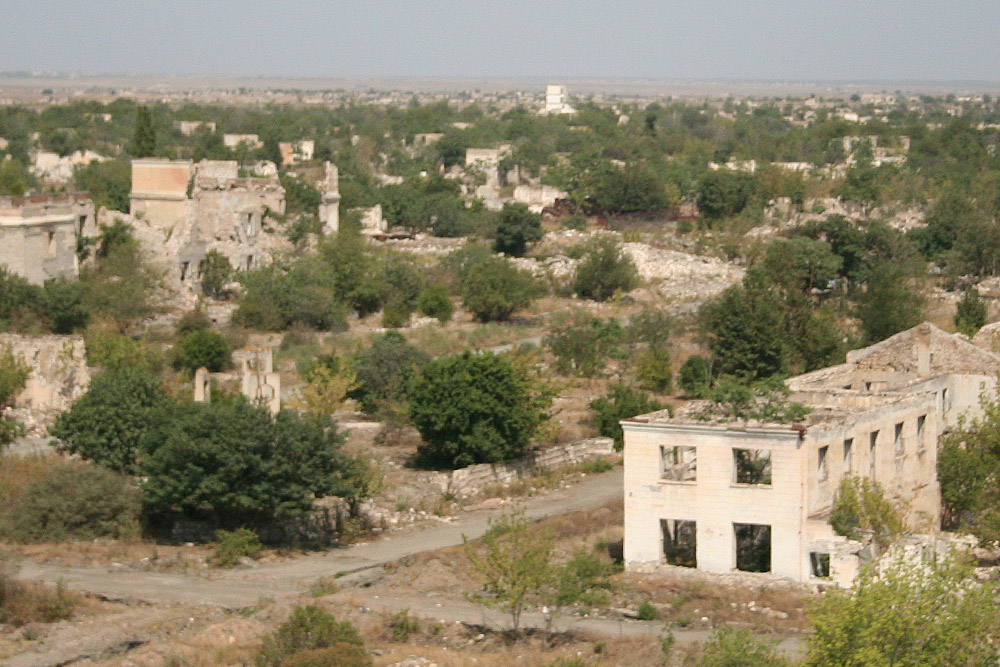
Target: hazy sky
(693, 39)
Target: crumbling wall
(59, 375)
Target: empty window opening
(921, 435)
(50, 244)
(898, 441)
(753, 547)
(680, 540)
(848, 455)
(868, 386)
(823, 467)
(184, 270)
(819, 563)
(81, 224)
(872, 452)
(753, 466)
(944, 401)
(678, 464)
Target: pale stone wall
(715, 501)
(38, 235)
(329, 207)
(59, 375)
(233, 141)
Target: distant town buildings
(39, 234)
(557, 100)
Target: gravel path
(235, 589)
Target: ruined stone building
(195, 208)
(39, 234)
(329, 206)
(557, 100)
(723, 495)
(233, 141)
(189, 127)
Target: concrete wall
(715, 501)
(59, 376)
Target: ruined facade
(38, 234)
(724, 496)
(557, 100)
(197, 208)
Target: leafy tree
(800, 264)
(384, 371)
(725, 193)
(63, 303)
(888, 305)
(695, 376)
(605, 270)
(109, 183)
(435, 301)
(740, 648)
(202, 347)
(860, 504)
(16, 294)
(622, 402)
(906, 613)
(291, 291)
(108, 423)
(513, 562)
(969, 471)
(629, 190)
(308, 628)
(123, 284)
(495, 289)
(582, 343)
(326, 388)
(733, 398)
(472, 408)
(13, 178)
(300, 195)
(144, 137)
(237, 464)
(517, 228)
(653, 370)
(971, 313)
(744, 328)
(216, 273)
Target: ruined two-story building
(39, 234)
(723, 496)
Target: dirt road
(243, 588)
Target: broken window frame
(759, 558)
(679, 538)
(679, 471)
(750, 469)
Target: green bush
(740, 648)
(395, 315)
(402, 625)
(970, 315)
(517, 228)
(582, 343)
(621, 403)
(232, 545)
(695, 376)
(604, 271)
(653, 370)
(73, 502)
(109, 349)
(435, 301)
(307, 629)
(495, 289)
(202, 348)
(472, 408)
(860, 504)
(383, 371)
(647, 611)
(216, 273)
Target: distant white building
(557, 100)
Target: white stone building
(724, 496)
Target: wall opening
(680, 541)
(81, 224)
(50, 244)
(872, 453)
(752, 466)
(753, 547)
(819, 564)
(848, 455)
(678, 464)
(823, 467)
(921, 435)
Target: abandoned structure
(189, 127)
(233, 141)
(296, 151)
(258, 380)
(202, 207)
(38, 234)
(557, 100)
(329, 205)
(59, 376)
(723, 495)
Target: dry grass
(19, 471)
(23, 603)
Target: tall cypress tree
(144, 140)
